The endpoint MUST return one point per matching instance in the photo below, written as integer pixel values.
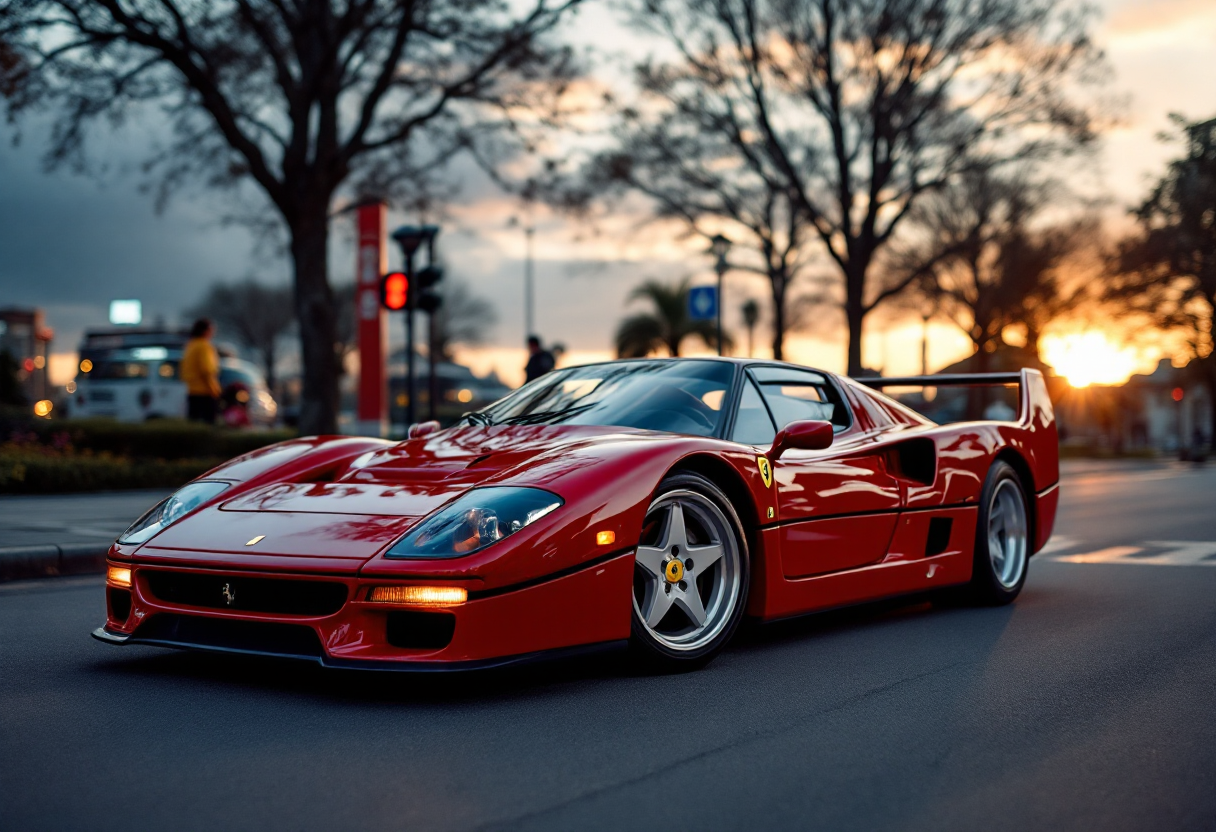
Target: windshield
(673, 396)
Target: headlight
(474, 521)
(170, 510)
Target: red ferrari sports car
(652, 503)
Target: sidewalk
(54, 519)
(64, 534)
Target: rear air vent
(421, 630)
(939, 536)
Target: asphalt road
(1088, 704)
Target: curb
(52, 560)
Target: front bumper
(586, 608)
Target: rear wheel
(691, 575)
(1002, 539)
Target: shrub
(164, 439)
(45, 456)
(35, 471)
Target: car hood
(357, 511)
(412, 479)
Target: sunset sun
(1086, 358)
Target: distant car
(652, 503)
(141, 383)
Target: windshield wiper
(478, 417)
(543, 415)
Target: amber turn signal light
(119, 576)
(605, 538)
(419, 596)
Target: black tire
(997, 580)
(653, 651)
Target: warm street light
(719, 246)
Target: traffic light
(428, 300)
(395, 291)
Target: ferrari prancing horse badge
(766, 471)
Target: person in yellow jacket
(200, 370)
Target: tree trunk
(779, 284)
(315, 314)
(854, 307)
(854, 316)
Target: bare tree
(1165, 273)
(14, 73)
(995, 264)
(691, 173)
(308, 100)
(852, 110)
(259, 316)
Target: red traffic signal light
(395, 290)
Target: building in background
(25, 336)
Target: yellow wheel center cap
(674, 571)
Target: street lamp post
(720, 247)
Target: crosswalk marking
(1183, 553)
(1102, 555)
(1172, 553)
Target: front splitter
(119, 639)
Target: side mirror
(809, 435)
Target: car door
(836, 508)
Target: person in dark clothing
(540, 360)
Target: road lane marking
(1176, 553)
(1183, 553)
(1109, 555)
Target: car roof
(725, 359)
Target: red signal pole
(371, 261)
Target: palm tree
(666, 326)
(751, 317)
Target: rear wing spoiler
(1034, 403)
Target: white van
(136, 384)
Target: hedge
(25, 472)
(164, 439)
(41, 456)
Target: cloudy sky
(70, 243)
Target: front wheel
(1002, 538)
(691, 575)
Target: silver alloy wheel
(1008, 533)
(689, 570)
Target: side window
(753, 425)
(795, 395)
